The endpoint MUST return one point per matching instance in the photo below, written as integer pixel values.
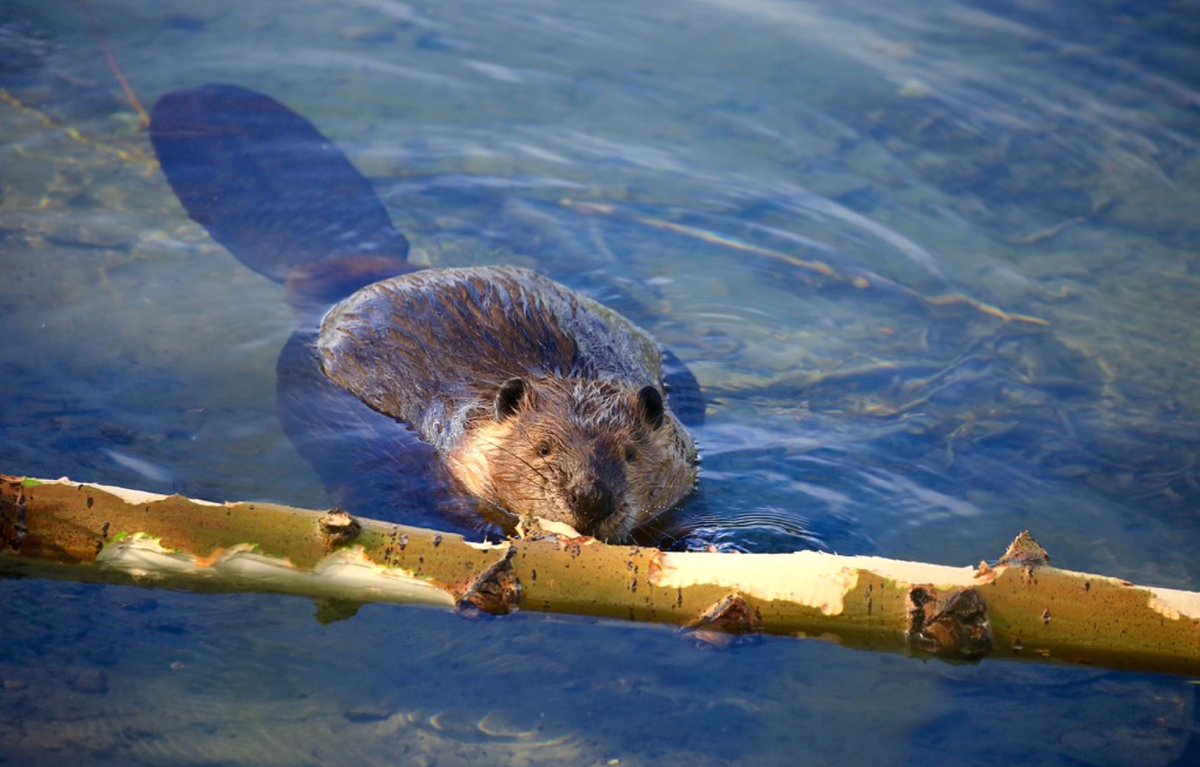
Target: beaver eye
(543, 449)
(630, 455)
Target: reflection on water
(935, 265)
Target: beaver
(525, 397)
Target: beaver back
(431, 348)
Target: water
(1028, 159)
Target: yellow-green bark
(1018, 608)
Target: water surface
(936, 265)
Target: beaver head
(600, 456)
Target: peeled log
(1019, 608)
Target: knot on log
(1024, 551)
(338, 528)
(731, 615)
(726, 619)
(1027, 554)
(960, 630)
(495, 591)
(13, 526)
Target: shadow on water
(934, 264)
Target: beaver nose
(591, 503)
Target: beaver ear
(651, 404)
(510, 396)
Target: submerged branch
(110, 58)
(1019, 608)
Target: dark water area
(936, 266)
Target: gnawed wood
(1018, 608)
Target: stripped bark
(1018, 608)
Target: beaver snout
(591, 502)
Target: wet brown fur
(568, 435)
(579, 444)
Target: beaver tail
(275, 192)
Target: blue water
(952, 163)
